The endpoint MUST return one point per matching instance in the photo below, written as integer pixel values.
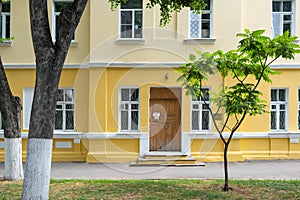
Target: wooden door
(165, 119)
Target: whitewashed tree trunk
(50, 58)
(37, 176)
(13, 168)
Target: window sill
(130, 41)
(200, 40)
(7, 43)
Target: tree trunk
(226, 185)
(13, 168)
(49, 62)
(10, 108)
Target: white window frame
(133, 10)
(121, 106)
(200, 110)
(282, 13)
(54, 16)
(64, 110)
(4, 15)
(210, 12)
(277, 109)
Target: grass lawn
(161, 189)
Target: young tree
(10, 107)
(246, 67)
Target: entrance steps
(176, 159)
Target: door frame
(180, 128)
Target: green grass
(161, 189)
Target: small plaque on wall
(63, 145)
(294, 140)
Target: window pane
(281, 95)
(60, 96)
(194, 25)
(130, 4)
(282, 120)
(58, 120)
(70, 120)
(124, 120)
(205, 29)
(195, 120)
(273, 120)
(277, 24)
(126, 31)
(205, 94)
(134, 106)
(205, 120)
(276, 6)
(287, 6)
(138, 24)
(6, 7)
(298, 94)
(7, 26)
(273, 95)
(59, 107)
(134, 120)
(207, 2)
(287, 27)
(287, 17)
(282, 107)
(134, 96)
(69, 95)
(273, 107)
(124, 94)
(205, 106)
(195, 106)
(70, 106)
(126, 17)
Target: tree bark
(49, 63)
(226, 178)
(10, 107)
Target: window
(58, 6)
(131, 19)
(5, 20)
(278, 109)
(129, 109)
(200, 112)
(201, 24)
(283, 16)
(65, 111)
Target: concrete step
(167, 159)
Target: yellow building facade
(118, 95)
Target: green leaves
(244, 68)
(167, 7)
(195, 72)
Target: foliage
(248, 65)
(160, 189)
(244, 68)
(167, 7)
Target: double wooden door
(165, 119)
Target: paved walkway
(279, 169)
